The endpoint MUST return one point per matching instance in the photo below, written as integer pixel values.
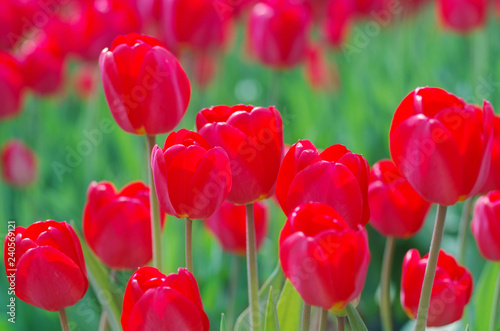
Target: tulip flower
(11, 86)
(493, 179)
(196, 24)
(157, 302)
(13, 29)
(117, 225)
(451, 290)
(85, 81)
(323, 257)
(336, 177)
(396, 210)
(320, 74)
(191, 178)
(47, 265)
(147, 90)
(339, 17)
(228, 225)
(253, 140)
(19, 164)
(442, 145)
(486, 225)
(463, 15)
(278, 32)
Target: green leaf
(271, 320)
(483, 296)
(289, 308)
(108, 295)
(354, 319)
(222, 322)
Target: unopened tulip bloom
(463, 15)
(485, 225)
(157, 302)
(339, 17)
(323, 257)
(278, 32)
(228, 225)
(442, 145)
(336, 177)
(146, 88)
(451, 290)
(253, 140)
(396, 210)
(11, 86)
(117, 225)
(47, 265)
(192, 179)
(493, 179)
(19, 164)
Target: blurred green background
(373, 81)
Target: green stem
(385, 285)
(104, 322)
(494, 307)
(64, 320)
(253, 283)
(155, 211)
(189, 236)
(274, 90)
(430, 270)
(340, 323)
(306, 316)
(462, 232)
(322, 320)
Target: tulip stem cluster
(253, 283)
(430, 270)
(322, 319)
(189, 236)
(306, 316)
(385, 284)
(462, 232)
(494, 307)
(155, 211)
(64, 320)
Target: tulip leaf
(109, 296)
(289, 308)
(483, 296)
(271, 320)
(355, 320)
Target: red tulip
(396, 210)
(196, 24)
(117, 225)
(16, 22)
(485, 225)
(85, 81)
(339, 17)
(463, 15)
(253, 140)
(19, 164)
(320, 74)
(324, 259)
(451, 290)
(157, 302)
(442, 145)
(191, 178)
(146, 88)
(228, 224)
(11, 86)
(335, 177)
(47, 265)
(278, 32)
(204, 69)
(493, 178)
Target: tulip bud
(324, 259)
(451, 290)
(11, 87)
(48, 264)
(493, 179)
(462, 15)
(19, 164)
(154, 301)
(485, 225)
(147, 90)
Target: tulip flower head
(19, 164)
(451, 290)
(146, 88)
(463, 15)
(49, 266)
(485, 225)
(442, 145)
(336, 177)
(157, 302)
(324, 259)
(191, 178)
(493, 179)
(11, 86)
(253, 140)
